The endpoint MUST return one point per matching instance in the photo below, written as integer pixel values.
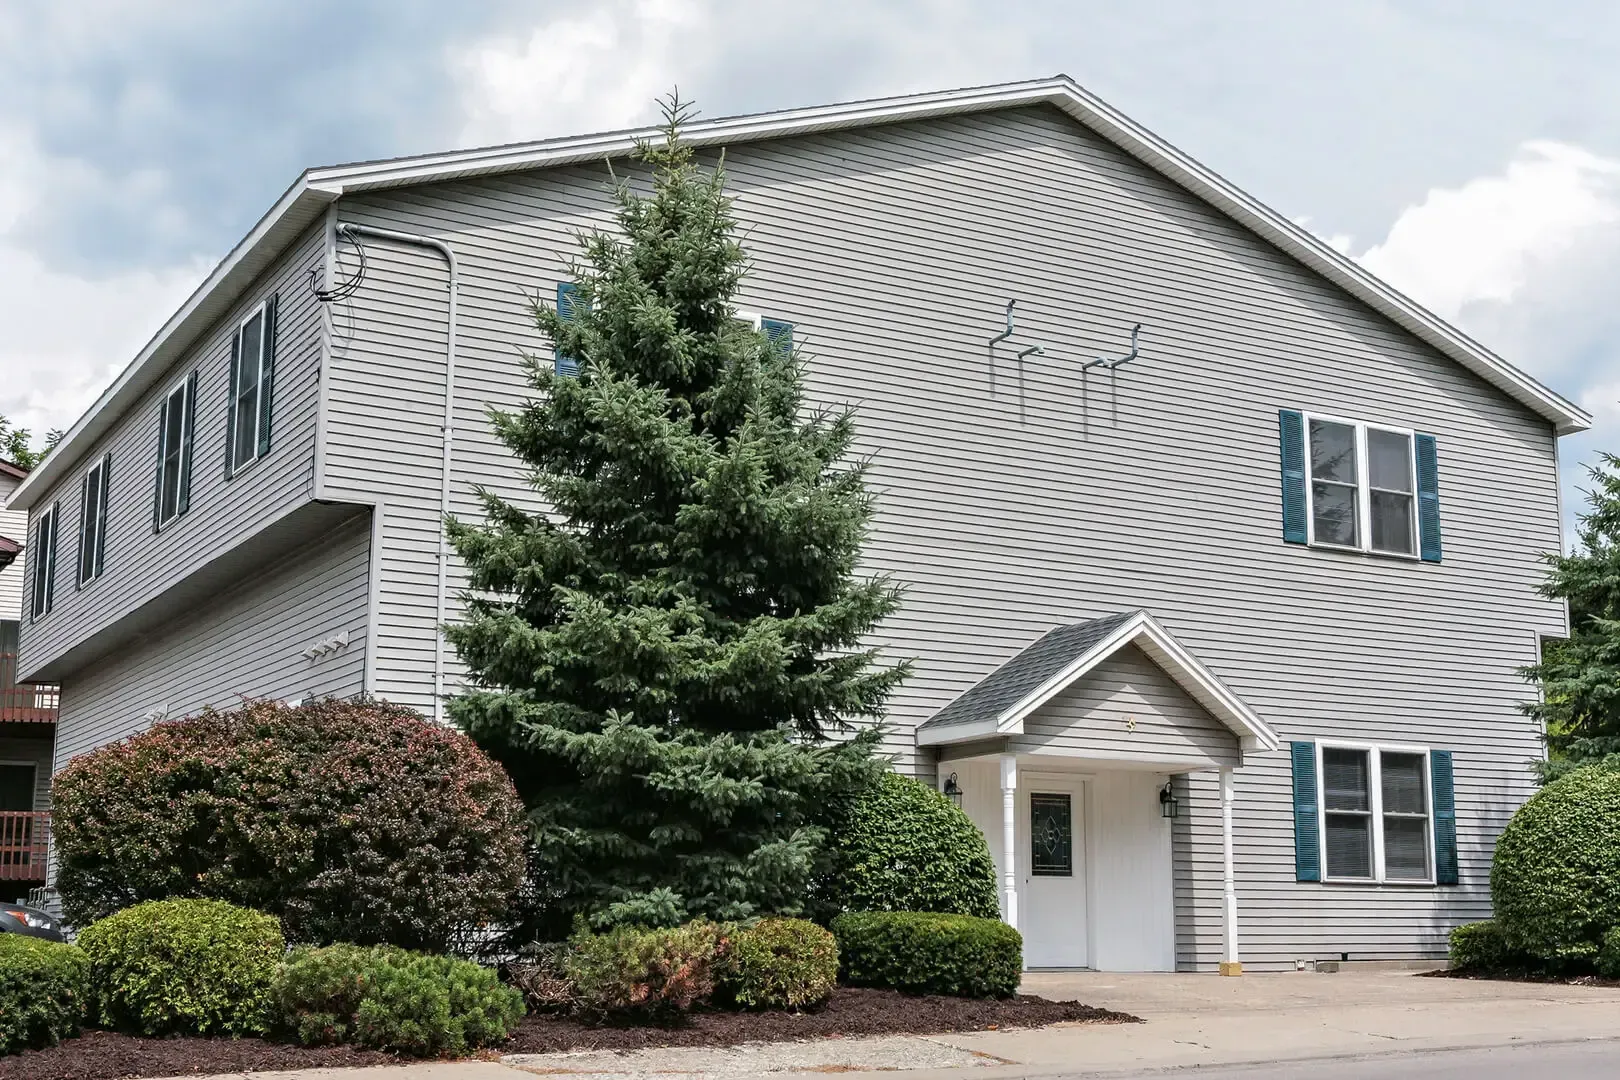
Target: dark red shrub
(351, 820)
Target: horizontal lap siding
(1128, 707)
(13, 526)
(247, 644)
(140, 564)
(1012, 498)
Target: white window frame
(182, 391)
(751, 318)
(234, 405)
(95, 532)
(1363, 487)
(44, 560)
(1375, 801)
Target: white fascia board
(951, 734)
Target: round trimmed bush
(390, 999)
(1482, 947)
(902, 846)
(349, 820)
(781, 964)
(930, 953)
(1555, 880)
(198, 967)
(44, 988)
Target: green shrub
(902, 846)
(199, 967)
(1555, 881)
(780, 964)
(349, 820)
(389, 999)
(648, 972)
(1608, 959)
(930, 953)
(1482, 947)
(43, 992)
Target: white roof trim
(303, 201)
(1164, 650)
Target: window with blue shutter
(1445, 817)
(1428, 487)
(779, 334)
(1307, 837)
(1291, 434)
(567, 310)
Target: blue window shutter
(779, 334)
(1291, 432)
(567, 298)
(1307, 838)
(1445, 817)
(1428, 485)
(267, 365)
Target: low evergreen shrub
(43, 992)
(780, 964)
(1482, 947)
(629, 970)
(930, 953)
(389, 999)
(200, 967)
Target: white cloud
(66, 336)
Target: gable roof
(998, 704)
(16, 472)
(9, 550)
(311, 193)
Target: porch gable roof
(999, 703)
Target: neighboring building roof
(303, 203)
(9, 550)
(998, 704)
(16, 472)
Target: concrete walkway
(1192, 1020)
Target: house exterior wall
(246, 644)
(13, 526)
(1128, 709)
(1015, 497)
(141, 564)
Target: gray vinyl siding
(140, 564)
(1012, 499)
(13, 526)
(247, 644)
(1127, 708)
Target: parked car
(21, 919)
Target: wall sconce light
(1169, 805)
(952, 791)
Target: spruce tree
(1579, 678)
(668, 657)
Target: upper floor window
(251, 386)
(1360, 486)
(176, 419)
(1375, 813)
(93, 492)
(43, 560)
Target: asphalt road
(1592, 1060)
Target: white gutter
(448, 443)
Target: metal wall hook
(1033, 350)
(1007, 333)
(1103, 361)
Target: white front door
(1052, 866)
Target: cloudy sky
(1467, 150)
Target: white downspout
(448, 430)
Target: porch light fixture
(952, 791)
(1168, 803)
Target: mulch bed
(1524, 977)
(102, 1055)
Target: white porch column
(1230, 964)
(1009, 839)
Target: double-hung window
(93, 492)
(176, 419)
(1363, 487)
(1376, 817)
(43, 560)
(251, 388)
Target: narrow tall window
(43, 560)
(93, 519)
(252, 375)
(1347, 812)
(1335, 484)
(176, 419)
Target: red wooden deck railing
(25, 837)
(28, 703)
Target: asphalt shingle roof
(1039, 661)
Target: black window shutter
(1445, 817)
(268, 366)
(1291, 432)
(1307, 839)
(1428, 485)
(184, 502)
